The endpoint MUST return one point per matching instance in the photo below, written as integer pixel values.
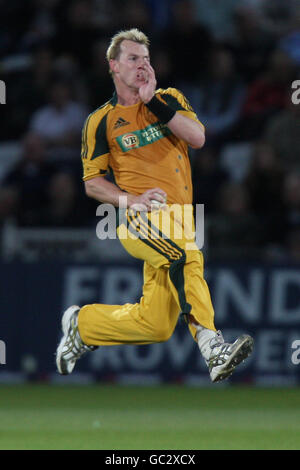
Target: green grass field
(169, 417)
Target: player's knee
(163, 334)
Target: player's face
(129, 67)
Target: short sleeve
(177, 101)
(94, 148)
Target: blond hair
(133, 34)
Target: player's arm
(106, 192)
(187, 129)
(95, 156)
(103, 191)
(183, 127)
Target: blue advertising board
(263, 301)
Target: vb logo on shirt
(130, 141)
(136, 139)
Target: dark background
(236, 62)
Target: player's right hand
(143, 202)
(147, 90)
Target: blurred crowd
(235, 60)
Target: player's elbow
(89, 188)
(198, 140)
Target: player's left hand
(146, 91)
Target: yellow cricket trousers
(173, 283)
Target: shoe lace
(217, 340)
(218, 356)
(74, 343)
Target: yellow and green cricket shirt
(140, 151)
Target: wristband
(161, 110)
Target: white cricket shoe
(224, 357)
(71, 346)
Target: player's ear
(114, 65)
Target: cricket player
(142, 137)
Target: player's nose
(141, 64)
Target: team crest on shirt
(130, 141)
